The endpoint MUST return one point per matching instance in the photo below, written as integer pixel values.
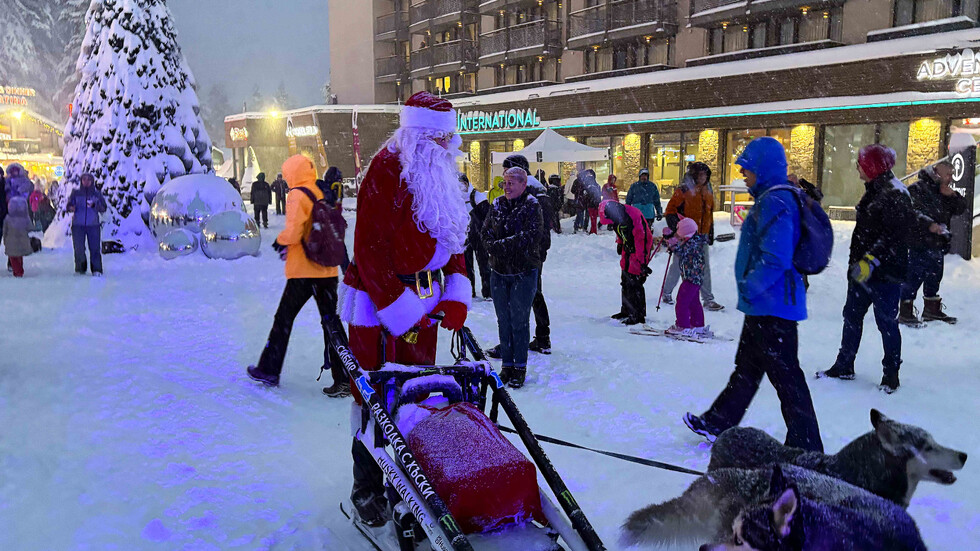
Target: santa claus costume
(408, 261)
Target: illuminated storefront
(27, 137)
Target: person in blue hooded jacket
(773, 299)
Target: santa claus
(408, 259)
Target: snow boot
(494, 352)
(541, 345)
(906, 314)
(837, 372)
(889, 383)
(256, 375)
(517, 379)
(620, 316)
(633, 321)
(933, 311)
(699, 426)
(506, 374)
(340, 389)
(713, 306)
(668, 299)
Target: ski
(650, 331)
(378, 541)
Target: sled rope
(624, 457)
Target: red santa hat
(427, 112)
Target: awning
(552, 147)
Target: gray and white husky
(707, 510)
(889, 461)
(788, 521)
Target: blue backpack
(812, 253)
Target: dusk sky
(244, 42)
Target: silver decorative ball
(229, 235)
(187, 202)
(178, 242)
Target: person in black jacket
(477, 202)
(935, 203)
(878, 261)
(542, 320)
(3, 197)
(512, 234)
(280, 188)
(557, 195)
(261, 197)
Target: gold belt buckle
(428, 293)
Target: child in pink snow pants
(688, 245)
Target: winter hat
(644, 171)
(427, 112)
(875, 159)
(612, 212)
(518, 161)
(697, 167)
(332, 175)
(260, 177)
(686, 227)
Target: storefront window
(737, 140)
(664, 162)
(840, 184)
(601, 168)
(896, 136)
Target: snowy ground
(128, 422)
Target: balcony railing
(390, 23)
(537, 35)
(619, 17)
(455, 53)
(432, 9)
(698, 6)
(390, 66)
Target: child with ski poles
(688, 245)
(634, 243)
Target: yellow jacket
(299, 172)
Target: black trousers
(280, 203)
(483, 264)
(542, 321)
(368, 491)
(634, 296)
(296, 294)
(769, 346)
(262, 212)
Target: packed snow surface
(128, 422)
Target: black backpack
(325, 243)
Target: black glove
(646, 271)
(280, 249)
(619, 248)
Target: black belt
(422, 280)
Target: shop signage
(477, 121)
(961, 226)
(238, 134)
(59, 171)
(300, 131)
(15, 95)
(963, 68)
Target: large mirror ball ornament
(187, 202)
(178, 242)
(229, 235)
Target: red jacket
(388, 243)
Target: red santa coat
(388, 243)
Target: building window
(840, 183)
(757, 38)
(659, 52)
(716, 41)
(908, 12)
(787, 31)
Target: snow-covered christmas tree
(136, 121)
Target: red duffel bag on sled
(485, 481)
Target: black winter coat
(261, 194)
(3, 199)
(931, 207)
(548, 213)
(512, 234)
(478, 213)
(884, 225)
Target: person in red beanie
(878, 261)
(408, 261)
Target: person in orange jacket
(304, 279)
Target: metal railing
(698, 6)
(430, 9)
(588, 21)
(632, 12)
(391, 22)
(458, 51)
(388, 66)
(541, 33)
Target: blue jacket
(646, 197)
(768, 284)
(85, 215)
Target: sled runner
(453, 481)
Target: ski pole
(670, 255)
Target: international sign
(962, 67)
(478, 121)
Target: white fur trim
(420, 117)
(458, 289)
(439, 258)
(345, 302)
(401, 315)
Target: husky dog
(889, 461)
(789, 521)
(707, 509)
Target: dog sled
(444, 496)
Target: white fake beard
(430, 172)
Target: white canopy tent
(552, 147)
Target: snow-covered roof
(34, 115)
(393, 109)
(828, 56)
(554, 148)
